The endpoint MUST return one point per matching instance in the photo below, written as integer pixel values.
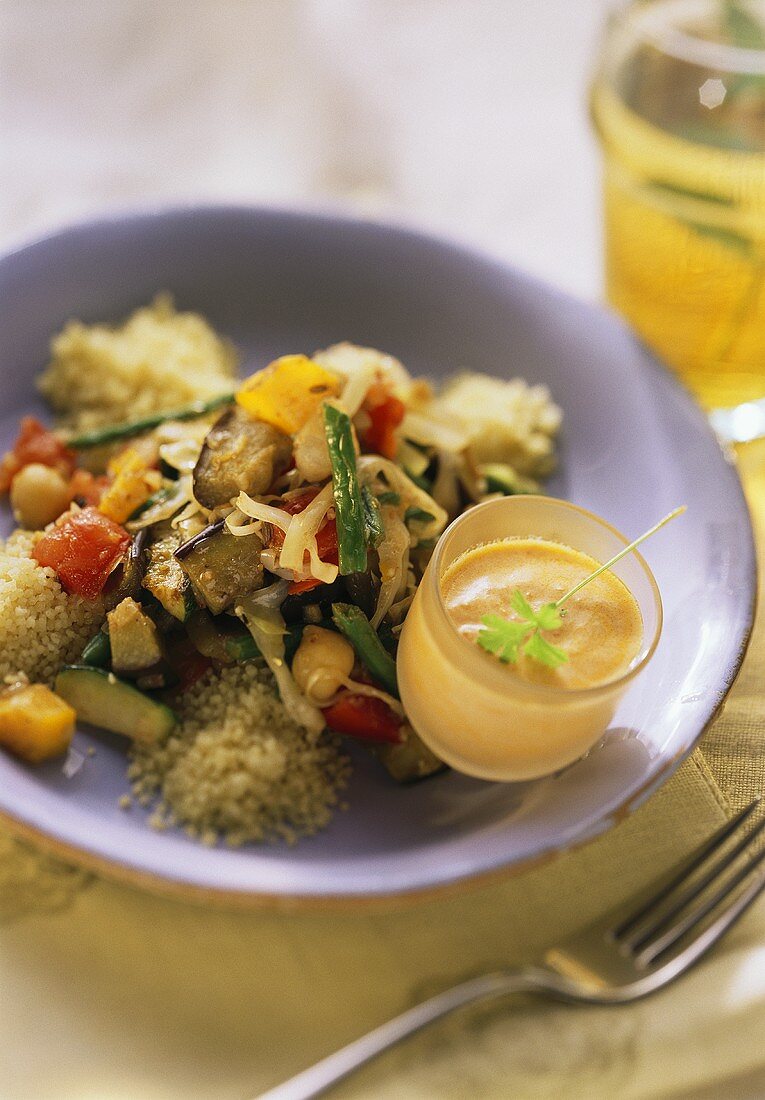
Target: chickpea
(323, 659)
(39, 495)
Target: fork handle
(330, 1071)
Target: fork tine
(649, 932)
(685, 870)
(653, 950)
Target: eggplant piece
(165, 579)
(240, 454)
(127, 579)
(223, 568)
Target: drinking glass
(678, 103)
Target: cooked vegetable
(322, 663)
(35, 444)
(375, 469)
(373, 525)
(164, 505)
(86, 488)
(385, 417)
(127, 578)
(504, 479)
(98, 652)
(418, 515)
(35, 724)
(223, 568)
(240, 454)
(356, 627)
(165, 578)
(310, 448)
(287, 392)
(393, 558)
(186, 663)
(137, 427)
(134, 484)
(268, 630)
(303, 536)
(222, 639)
(39, 495)
(100, 699)
(135, 642)
(364, 718)
(361, 589)
(83, 548)
(346, 491)
(410, 760)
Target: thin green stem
(622, 553)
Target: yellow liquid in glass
(685, 245)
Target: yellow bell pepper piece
(133, 484)
(287, 392)
(35, 723)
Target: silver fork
(646, 943)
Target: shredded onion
(267, 628)
(356, 389)
(301, 536)
(362, 689)
(393, 556)
(182, 455)
(266, 512)
(273, 596)
(166, 509)
(412, 496)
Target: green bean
(353, 623)
(351, 539)
(113, 432)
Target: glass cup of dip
(477, 713)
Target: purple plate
(634, 446)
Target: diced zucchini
(102, 700)
(224, 568)
(165, 578)
(98, 651)
(410, 760)
(135, 641)
(35, 724)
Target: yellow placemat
(108, 992)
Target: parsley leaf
(502, 637)
(540, 650)
(508, 638)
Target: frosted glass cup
(468, 706)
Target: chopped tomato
(86, 488)
(364, 717)
(384, 416)
(35, 444)
(83, 548)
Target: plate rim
(462, 881)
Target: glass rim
(499, 672)
(649, 22)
